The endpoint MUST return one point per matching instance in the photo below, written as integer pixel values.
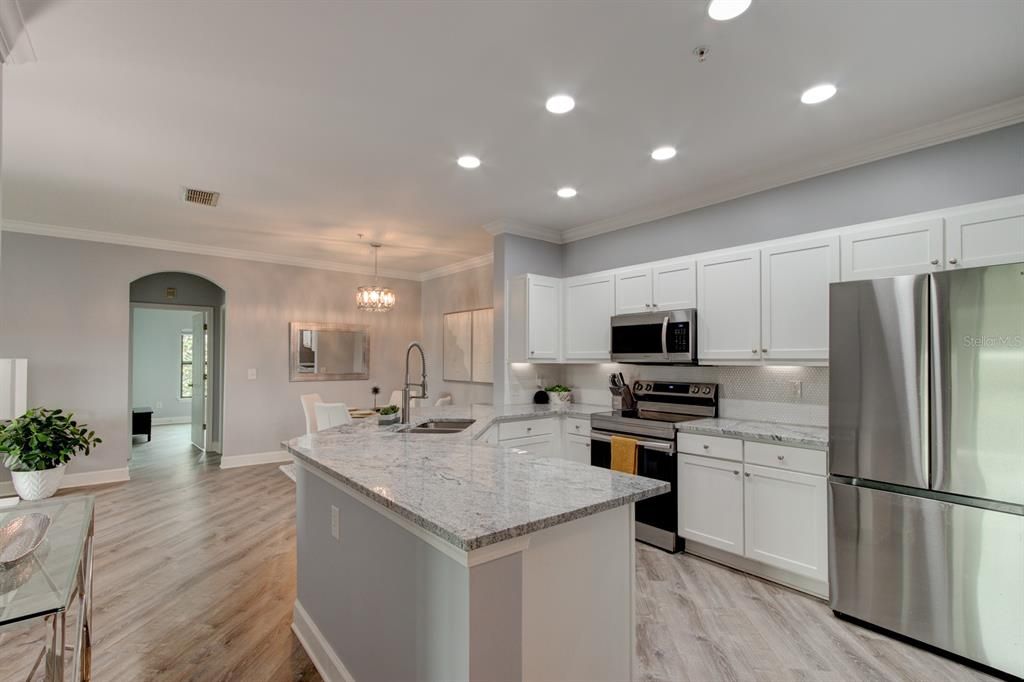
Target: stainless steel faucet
(406, 393)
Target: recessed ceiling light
(817, 94)
(724, 10)
(469, 161)
(566, 192)
(560, 104)
(663, 153)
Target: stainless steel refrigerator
(926, 459)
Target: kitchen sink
(440, 426)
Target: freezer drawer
(944, 574)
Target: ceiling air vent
(201, 197)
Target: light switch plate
(252, 374)
(796, 389)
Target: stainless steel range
(660, 405)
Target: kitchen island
(439, 557)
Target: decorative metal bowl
(21, 535)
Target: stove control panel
(651, 390)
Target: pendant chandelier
(375, 298)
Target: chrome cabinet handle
(935, 261)
(529, 428)
(782, 457)
(753, 350)
(952, 261)
(764, 350)
(747, 474)
(736, 472)
(706, 446)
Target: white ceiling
(320, 120)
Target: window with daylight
(186, 365)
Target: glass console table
(45, 583)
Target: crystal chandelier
(375, 298)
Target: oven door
(657, 337)
(656, 517)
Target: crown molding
(15, 43)
(524, 230)
(954, 128)
(121, 239)
(461, 266)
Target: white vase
(560, 397)
(37, 485)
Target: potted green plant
(38, 445)
(559, 394)
(388, 415)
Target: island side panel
(578, 600)
(389, 605)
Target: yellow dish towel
(623, 455)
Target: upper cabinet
(908, 248)
(988, 237)
(534, 318)
(795, 279)
(668, 286)
(729, 307)
(589, 305)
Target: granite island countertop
(768, 432)
(462, 490)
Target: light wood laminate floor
(195, 580)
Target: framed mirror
(328, 352)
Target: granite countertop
(769, 432)
(466, 492)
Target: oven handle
(664, 336)
(650, 445)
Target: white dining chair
(332, 414)
(308, 401)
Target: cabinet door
(786, 515)
(990, 237)
(729, 307)
(903, 249)
(711, 502)
(542, 446)
(577, 449)
(544, 314)
(633, 291)
(589, 305)
(794, 298)
(674, 286)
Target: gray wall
(64, 304)
(156, 364)
(464, 290)
(515, 255)
(986, 166)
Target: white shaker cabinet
(674, 286)
(534, 318)
(729, 307)
(785, 524)
(577, 449)
(589, 306)
(711, 502)
(795, 278)
(633, 291)
(907, 248)
(987, 237)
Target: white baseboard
(164, 421)
(320, 652)
(79, 480)
(235, 461)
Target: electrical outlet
(335, 523)
(252, 374)
(159, 405)
(796, 389)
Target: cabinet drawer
(577, 427)
(786, 457)
(711, 446)
(526, 427)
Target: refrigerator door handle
(939, 401)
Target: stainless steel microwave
(662, 337)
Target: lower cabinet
(711, 502)
(785, 516)
(576, 448)
(542, 446)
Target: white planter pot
(556, 398)
(37, 485)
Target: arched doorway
(176, 353)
